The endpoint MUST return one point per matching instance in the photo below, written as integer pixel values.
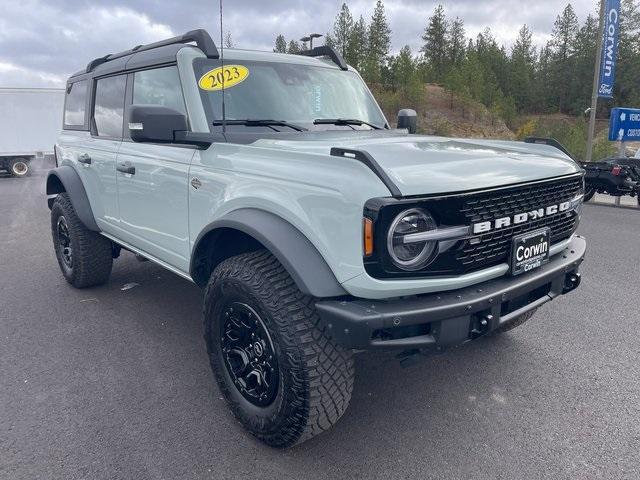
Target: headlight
(411, 255)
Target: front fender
(66, 179)
(293, 250)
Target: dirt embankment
(438, 114)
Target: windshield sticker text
(227, 77)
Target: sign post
(606, 60)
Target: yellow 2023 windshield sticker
(229, 76)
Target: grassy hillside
(441, 113)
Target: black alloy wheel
(64, 242)
(248, 354)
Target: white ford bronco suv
(275, 182)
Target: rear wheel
(283, 377)
(85, 257)
(18, 167)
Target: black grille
(493, 247)
(484, 250)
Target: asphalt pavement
(114, 381)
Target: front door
(153, 179)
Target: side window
(108, 113)
(160, 86)
(74, 104)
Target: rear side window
(108, 113)
(75, 104)
(160, 86)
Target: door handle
(126, 168)
(84, 158)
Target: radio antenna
(224, 115)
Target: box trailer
(30, 122)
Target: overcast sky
(42, 42)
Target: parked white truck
(29, 125)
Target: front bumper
(435, 321)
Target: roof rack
(201, 38)
(326, 51)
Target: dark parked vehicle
(614, 176)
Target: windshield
(292, 93)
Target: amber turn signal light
(367, 233)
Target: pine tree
(294, 47)
(523, 48)
(456, 43)
(342, 30)
(281, 44)
(522, 66)
(228, 41)
(357, 44)
(454, 82)
(628, 71)
(379, 44)
(435, 43)
(473, 74)
(494, 63)
(584, 51)
(542, 94)
(563, 36)
(329, 41)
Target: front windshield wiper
(261, 123)
(344, 121)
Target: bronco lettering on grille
(520, 218)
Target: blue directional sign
(624, 124)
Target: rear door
(153, 179)
(97, 156)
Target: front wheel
(589, 192)
(18, 167)
(282, 376)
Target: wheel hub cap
(248, 354)
(64, 242)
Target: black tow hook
(412, 357)
(571, 282)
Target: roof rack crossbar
(326, 51)
(201, 38)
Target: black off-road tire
(315, 374)
(589, 192)
(18, 167)
(515, 322)
(92, 256)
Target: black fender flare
(66, 179)
(294, 251)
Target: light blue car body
(160, 215)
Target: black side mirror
(408, 119)
(155, 123)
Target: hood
(421, 165)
